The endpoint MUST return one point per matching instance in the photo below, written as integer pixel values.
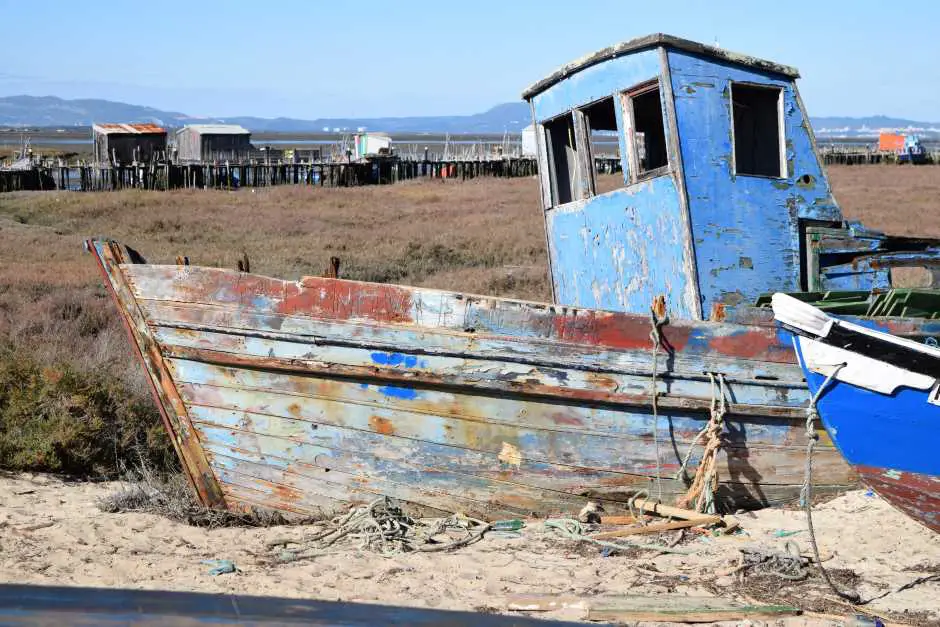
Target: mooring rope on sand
(382, 527)
(806, 492)
(572, 529)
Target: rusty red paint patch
(623, 331)
(915, 494)
(751, 344)
(344, 300)
(564, 419)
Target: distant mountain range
(50, 111)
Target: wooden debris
(657, 527)
(544, 602)
(38, 526)
(332, 272)
(681, 609)
(617, 520)
(651, 507)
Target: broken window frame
(584, 135)
(633, 157)
(575, 177)
(781, 130)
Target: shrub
(59, 419)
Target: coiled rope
(382, 527)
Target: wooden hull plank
(305, 396)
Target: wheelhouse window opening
(646, 133)
(600, 121)
(757, 130)
(562, 158)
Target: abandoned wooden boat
(879, 398)
(307, 395)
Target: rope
(704, 486)
(806, 498)
(383, 528)
(806, 493)
(572, 529)
(787, 565)
(657, 338)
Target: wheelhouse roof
(652, 41)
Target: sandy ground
(51, 532)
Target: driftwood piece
(681, 609)
(544, 602)
(657, 527)
(730, 522)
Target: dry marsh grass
(60, 334)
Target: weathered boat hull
(307, 396)
(878, 402)
(890, 440)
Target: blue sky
(310, 59)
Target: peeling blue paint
(597, 82)
(399, 392)
(621, 250)
(394, 359)
(761, 213)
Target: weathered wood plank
(514, 383)
(468, 369)
(549, 414)
(507, 454)
(285, 480)
(112, 258)
(349, 300)
(437, 341)
(684, 609)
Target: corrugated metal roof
(216, 129)
(130, 129)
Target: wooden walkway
(26, 180)
(89, 178)
(234, 176)
(858, 156)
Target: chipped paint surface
(306, 396)
(621, 250)
(915, 494)
(596, 82)
(698, 231)
(634, 46)
(745, 228)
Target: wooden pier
(327, 174)
(849, 155)
(26, 179)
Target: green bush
(59, 419)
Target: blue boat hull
(890, 439)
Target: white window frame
(633, 159)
